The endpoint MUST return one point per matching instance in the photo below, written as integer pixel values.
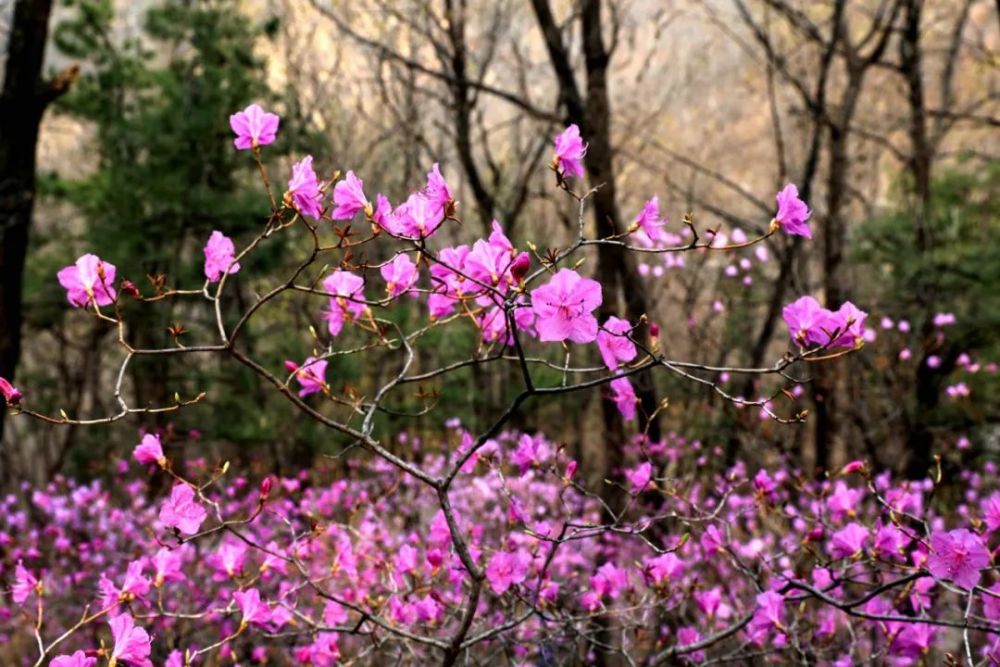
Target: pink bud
(654, 330)
(570, 469)
(11, 393)
(291, 366)
(266, 485)
(853, 466)
(519, 267)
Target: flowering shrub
(484, 544)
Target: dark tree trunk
(23, 101)
(615, 271)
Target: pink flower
(132, 644)
(808, 322)
(437, 190)
(793, 212)
(890, 542)
(610, 580)
(25, 584)
(663, 568)
(78, 659)
(11, 394)
(311, 375)
(624, 397)
(688, 636)
(167, 566)
(230, 557)
(638, 477)
(614, 344)
(349, 289)
(849, 542)
(253, 127)
(570, 150)
(991, 512)
(219, 255)
(769, 615)
(150, 450)
(89, 281)
(958, 555)
(649, 222)
(406, 559)
(564, 308)
(182, 511)
(254, 611)
(944, 319)
(849, 321)
(505, 570)
(349, 196)
(400, 275)
(913, 641)
(417, 217)
(303, 189)
(991, 603)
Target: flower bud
(519, 267)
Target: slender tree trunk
(23, 101)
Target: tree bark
(23, 101)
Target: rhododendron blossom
(89, 281)
(958, 555)
(77, 659)
(348, 303)
(505, 570)
(624, 397)
(150, 450)
(303, 189)
(793, 213)
(400, 275)
(311, 375)
(564, 308)
(252, 609)
(132, 644)
(349, 198)
(614, 344)
(25, 584)
(182, 510)
(569, 149)
(219, 255)
(253, 127)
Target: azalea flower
(167, 566)
(958, 555)
(25, 584)
(505, 570)
(150, 451)
(570, 149)
(219, 255)
(182, 510)
(349, 197)
(78, 659)
(132, 644)
(253, 610)
(849, 541)
(792, 212)
(400, 275)
(649, 222)
(254, 127)
(614, 344)
(638, 477)
(564, 308)
(437, 190)
(303, 189)
(349, 290)
(89, 281)
(624, 397)
(311, 375)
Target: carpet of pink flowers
(305, 570)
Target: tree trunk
(23, 101)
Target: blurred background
(884, 112)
